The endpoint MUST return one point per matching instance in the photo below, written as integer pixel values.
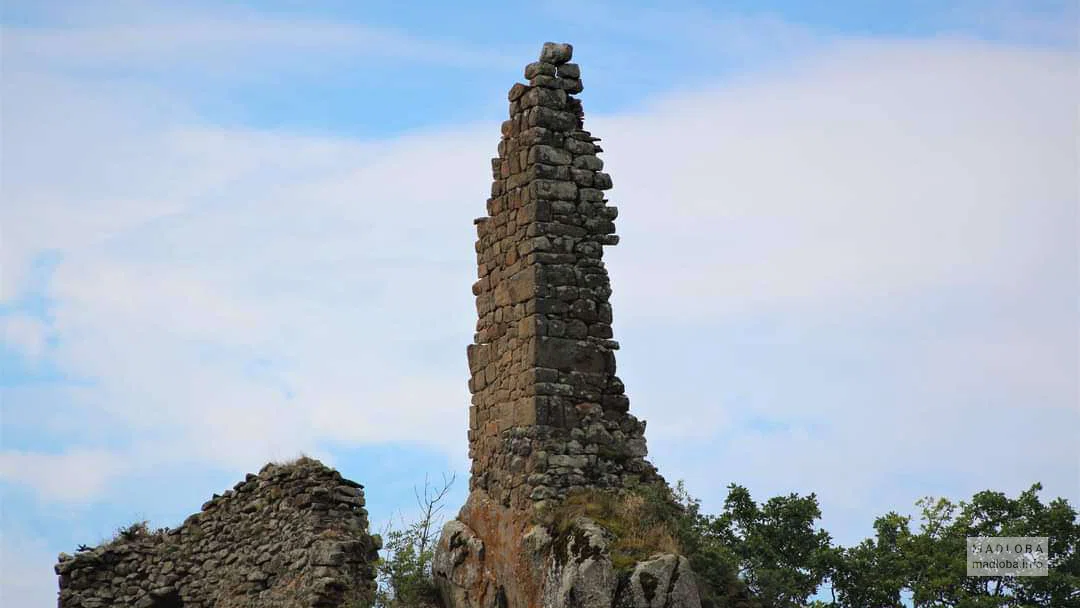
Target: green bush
(750, 556)
(404, 570)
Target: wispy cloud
(232, 295)
(73, 475)
(154, 38)
(28, 334)
(1042, 22)
(23, 579)
(725, 35)
(873, 241)
(873, 172)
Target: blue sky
(237, 232)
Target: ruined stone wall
(292, 536)
(548, 413)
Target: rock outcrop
(527, 564)
(293, 536)
(549, 417)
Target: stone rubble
(293, 536)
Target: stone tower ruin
(549, 418)
(548, 413)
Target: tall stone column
(548, 413)
(549, 417)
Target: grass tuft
(642, 521)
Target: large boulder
(663, 581)
(580, 572)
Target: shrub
(404, 572)
(136, 530)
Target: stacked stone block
(292, 536)
(548, 413)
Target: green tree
(930, 563)
(714, 563)
(754, 556)
(778, 552)
(873, 573)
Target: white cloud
(1045, 23)
(850, 188)
(874, 172)
(717, 34)
(26, 333)
(24, 582)
(156, 37)
(236, 295)
(76, 475)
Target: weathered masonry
(293, 536)
(549, 417)
(548, 413)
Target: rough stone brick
(542, 370)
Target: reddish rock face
(548, 414)
(499, 570)
(519, 563)
(507, 560)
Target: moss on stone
(640, 522)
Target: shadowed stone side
(293, 536)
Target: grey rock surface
(663, 581)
